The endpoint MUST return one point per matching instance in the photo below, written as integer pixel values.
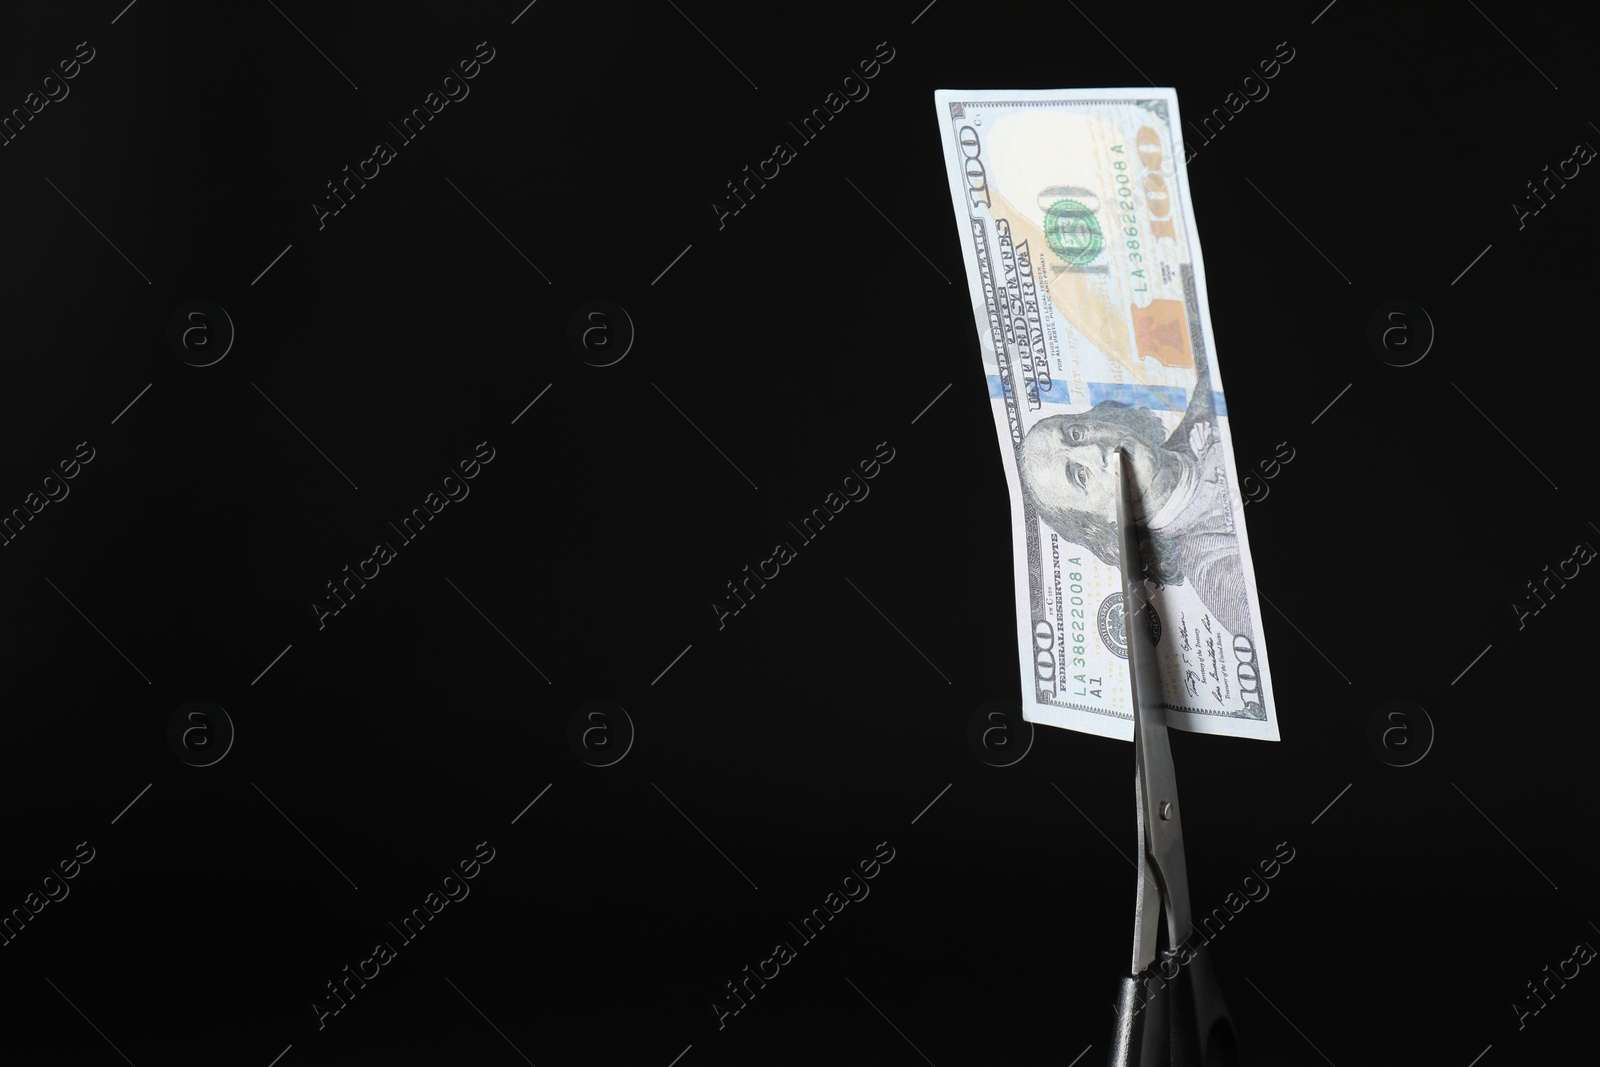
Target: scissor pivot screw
(1166, 809)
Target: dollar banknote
(1084, 269)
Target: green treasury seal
(1072, 233)
(1112, 622)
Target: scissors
(1170, 1012)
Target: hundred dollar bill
(1084, 269)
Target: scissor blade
(1147, 897)
(1160, 825)
(1143, 674)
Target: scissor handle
(1184, 1024)
(1219, 1045)
(1129, 1045)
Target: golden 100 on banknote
(1084, 271)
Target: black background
(825, 717)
